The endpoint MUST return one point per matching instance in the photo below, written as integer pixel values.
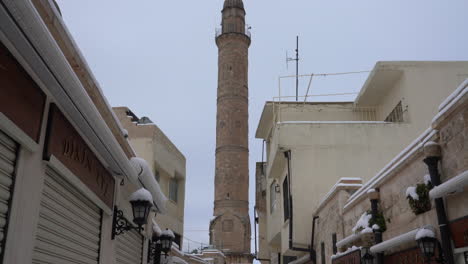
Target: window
(173, 189)
(156, 175)
(396, 116)
(286, 198)
(322, 253)
(335, 250)
(272, 197)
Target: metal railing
(220, 31)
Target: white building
(310, 146)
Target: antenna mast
(297, 66)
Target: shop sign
(21, 101)
(64, 142)
(459, 231)
(351, 258)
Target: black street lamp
(428, 247)
(141, 211)
(141, 202)
(161, 243)
(166, 241)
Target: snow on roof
(338, 185)
(141, 195)
(371, 191)
(363, 222)
(427, 179)
(451, 97)
(156, 229)
(450, 103)
(411, 192)
(168, 233)
(423, 232)
(454, 185)
(396, 241)
(349, 250)
(149, 181)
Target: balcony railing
(221, 31)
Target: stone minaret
(230, 229)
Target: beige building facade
(166, 162)
(311, 146)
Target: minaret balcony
(221, 31)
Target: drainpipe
(374, 199)
(313, 255)
(433, 154)
(287, 155)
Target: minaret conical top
(233, 4)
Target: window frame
(174, 182)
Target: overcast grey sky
(160, 59)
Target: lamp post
(367, 258)
(433, 154)
(159, 244)
(141, 202)
(427, 246)
(374, 197)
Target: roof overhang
(266, 121)
(380, 80)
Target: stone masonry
(230, 229)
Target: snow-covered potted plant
(367, 225)
(378, 222)
(418, 197)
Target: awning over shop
(454, 185)
(148, 180)
(396, 241)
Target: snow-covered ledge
(350, 240)
(454, 185)
(399, 240)
(148, 180)
(452, 102)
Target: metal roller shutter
(129, 248)
(8, 154)
(69, 225)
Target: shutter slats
(129, 248)
(8, 154)
(69, 225)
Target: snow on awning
(396, 241)
(349, 240)
(148, 180)
(454, 185)
(156, 229)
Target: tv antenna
(288, 59)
